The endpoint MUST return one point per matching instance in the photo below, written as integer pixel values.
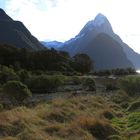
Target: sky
(63, 19)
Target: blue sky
(2, 3)
(63, 19)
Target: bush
(23, 75)
(111, 87)
(16, 91)
(120, 97)
(45, 83)
(130, 84)
(89, 84)
(76, 80)
(7, 74)
(107, 114)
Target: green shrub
(16, 91)
(89, 84)
(120, 97)
(23, 75)
(107, 114)
(45, 83)
(76, 80)
(7, 74)
(130, 84)
(110, 87)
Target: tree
(83, 63)
(8, 54)
(23, 75)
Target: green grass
(128, 126)
(134, 121)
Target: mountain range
(106, 49)
(52, 44)
(96, 39)
(16, 34)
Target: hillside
(16, 34)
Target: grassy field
(108, 116)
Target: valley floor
(107, 116)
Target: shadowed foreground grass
(91, 117)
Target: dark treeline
(117, 72)
(48, 60)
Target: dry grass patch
(99, 129)
(33, 134)
(8, 138)
(75, 118)
(17, 120)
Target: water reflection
(138, 71)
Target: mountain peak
(100, 15)
(99, 20)
(4, 16)
(99, 24)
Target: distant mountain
(98, 40)
(16, 34)
(52, 44)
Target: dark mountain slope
(4, 16)
(133, 56)
(106, 53)
(15, 33)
